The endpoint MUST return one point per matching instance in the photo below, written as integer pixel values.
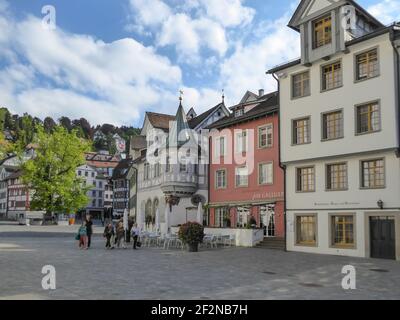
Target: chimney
(260, 92)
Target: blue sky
(110, 61)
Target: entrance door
(383, 243)
(268, 221)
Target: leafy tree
(51, 174)
(4, 118)
(25, 130)
(107, 129)
(49, 124)
(66, 123)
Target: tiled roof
(193, 123)
(138, 142)
(122, 168)
(159, 120)
(268, 103)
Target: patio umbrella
(157, 220)
(167, 217)
(200, 214)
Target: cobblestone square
(151, 273)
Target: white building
(339, 113)
(168, 186)
(97, 182)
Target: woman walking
(82, 232)
(120, 234)
(108, 234)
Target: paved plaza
(151, 273)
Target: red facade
(262, 197)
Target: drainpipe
(282, 166)
(397, 54)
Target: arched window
(148, 213)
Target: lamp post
(380, 204)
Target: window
(343, 231)
(242, 177)
(94, 183)
(220, 179)
(157, 170)
(220, 146)
(93, 193)
(301, 85)
(265, 173)
(306, 227)
(221, 217)
(301, 131)
(265, 136)
(100, 203)
(86, 173)
(332, 125)
(168, 164)
(322, 31)
(239, 112)
(241, 141)
(92, 174)
(306, 179)
(146, 171)
(183, 166)
(100, 194)
(336, 176)
(368, 118)
(367, 65)
(79, 173)
(94, 203)
(332, 76)
(373, 174)
(100, 184)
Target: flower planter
(193, 247)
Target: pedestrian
(108, 234)
(89, 228)
(120, 234)
(83, 239)
(135, 232)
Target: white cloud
(229, 12)
(245, 69)
(190, 35)
(77, 75)
(386, 11)
(191, 26)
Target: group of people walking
(115, 235)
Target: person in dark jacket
(108, 234)
(89, 229)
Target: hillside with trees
(20, 130)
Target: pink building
(246, 181)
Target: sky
(111, 61)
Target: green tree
(51, 174)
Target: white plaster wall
(346, 97)
(354, 197)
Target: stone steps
(272, 243)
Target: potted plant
(191, 233)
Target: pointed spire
(180, 96)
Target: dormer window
(239, 112)
(322, 30)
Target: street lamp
(380, 204)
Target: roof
(122, 169)
(304, 5)
(193, 123)
(268, 104)
(14, 175)
(159, 120)
(138, 142)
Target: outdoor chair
(230, 240)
